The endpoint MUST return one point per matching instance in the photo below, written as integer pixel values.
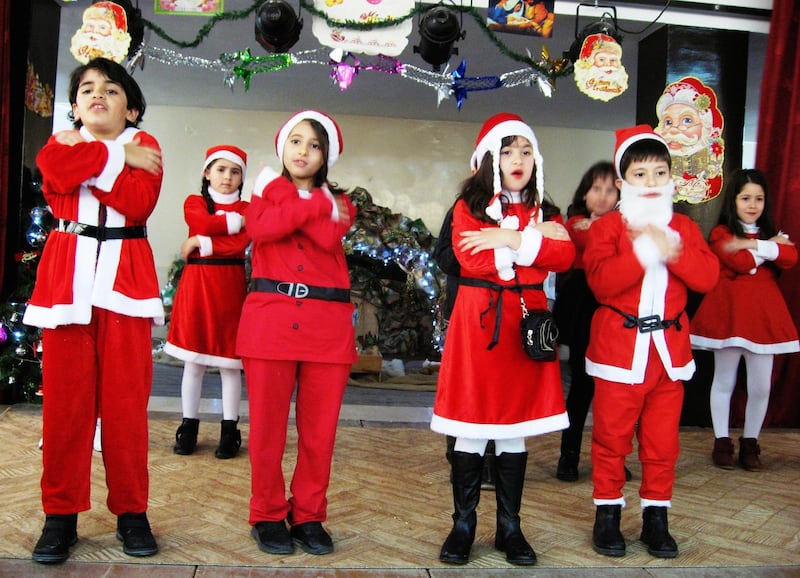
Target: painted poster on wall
(532, 17)
(189, 7)
(691, 123)
(389, 41)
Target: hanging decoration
(691, 123)
(112, 30)
(189, 7)
(389, 41)
(38, 95)
(344, 67)
(599, 72)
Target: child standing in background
(640, 262)
(489, 389)
(297, 329)
(208, 302)
(96, 297)
(596, 195)
(745, 315)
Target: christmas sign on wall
(389, 41)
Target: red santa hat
(627, 136)
(691, 91)
(109, 10)
(490, 140)
(599, 41)
(229, 153)
(335, 143)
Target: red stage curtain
(778, 155)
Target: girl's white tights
(473, 446)
(759, 378)
(192, 385)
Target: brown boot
(748, 454)
(723, 453)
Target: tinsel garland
(549, 69)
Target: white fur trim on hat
(228, 153)
(626, 137)
(335, 143)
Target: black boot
(655, 533)
(510, 470)
(60, 532)
(230, 440)
(567, 470)
(488, 476)
(133, 530)
(186, 436)
(467, 470)
(606, 537)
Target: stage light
(438, 29)
(277, 26)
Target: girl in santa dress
(489, 389)
(745, 315)
(208, 302)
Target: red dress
(746, 308)
(499, 393)
(208, 302)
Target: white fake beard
(640, 211)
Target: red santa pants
(656, 406)
(104, 368)
(320, 389)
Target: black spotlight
(277, 26)
(438, 29)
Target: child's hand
(188, 247)
(489, 238)
(782, 239)
(582, 224)
(138, 156)
(553, 230)
(69, 137)
(670, 246)
(739, 244)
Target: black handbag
(539, 333)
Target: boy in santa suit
(96, 297)
(640, 262)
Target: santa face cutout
(104, 33)
(691, 123)
(599, 73)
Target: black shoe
(58, 535)
(606, 537)
(137, 538)
(655, 533)
(230, 440)
(313, 538)
(272, 537)
(567, 469)
(186, 436)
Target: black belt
(647, 324)
(210, 261)
(474, 282)
(299, 290)
(101, 233)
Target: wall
(412, 167)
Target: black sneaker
(313, 538)
(137, 538)
(272, 537)
(58, 535)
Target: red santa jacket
(617, 276)
(78, 272)
(297, 238)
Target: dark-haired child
(96, 297)
(640, 262)
(745, 315)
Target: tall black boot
(510, 471)
(488, 476)
(186, 436)
(655, 533)
(606, 537)
(230, 440)
(467, 470)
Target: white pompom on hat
(490, 140)
(229, 153)
(335, 143)
(627, 136)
